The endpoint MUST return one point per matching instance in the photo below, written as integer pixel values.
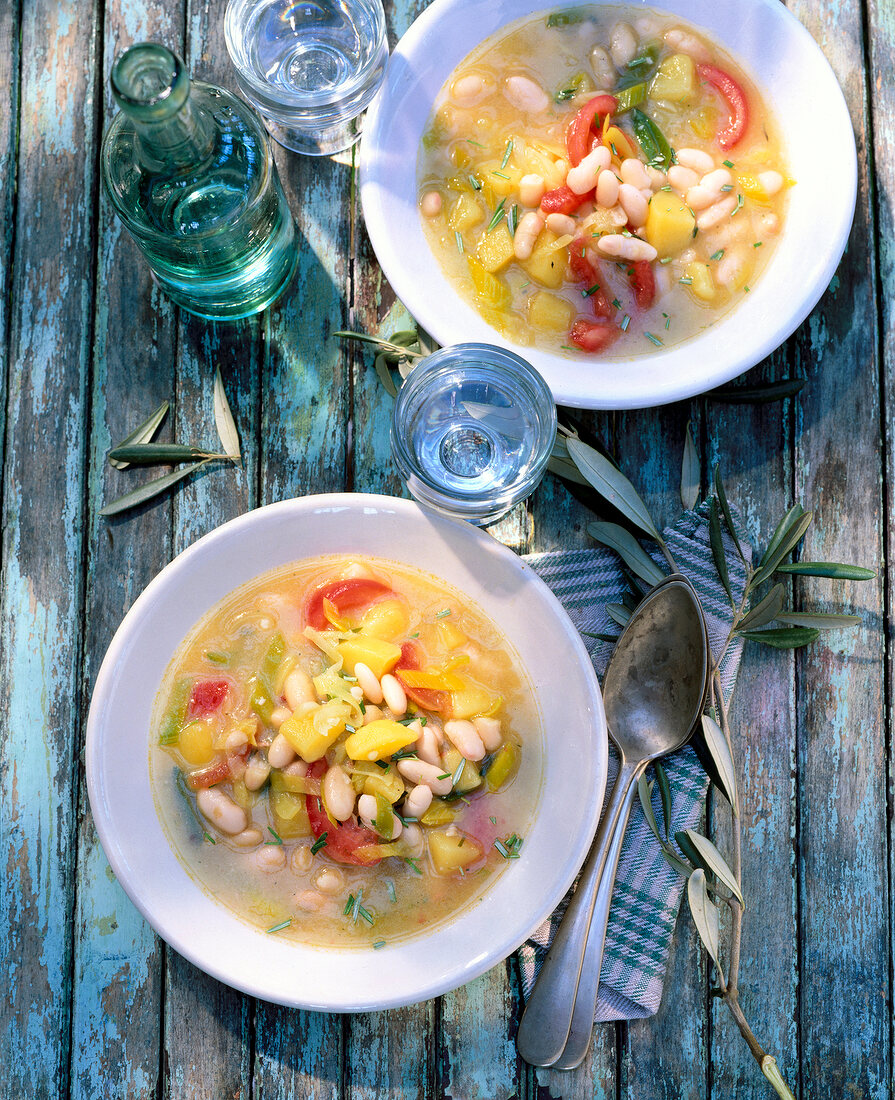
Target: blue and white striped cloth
(647, 890)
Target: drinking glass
(472, 431)
(310, 67)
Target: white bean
(297, 768)
(467, 89)
(270, 858)
(221, 811)
(622, 44)
(329, 881)
(716, 213)
(302, 859)
(561, 167)
(525, 95)
(418, 801)
(338, 793)
(561, 224)
(462, 735)
(657, 178)
(489, 730)
(527, 232)
(603, 69)
(626, 248)
(368, 682)
(394, 695)
(298, 688)
(235, 741)
(699, 198)
(280, 752)
(682, 41)
(309, 901)
(633, 204)
(767, 225)
(607, 189)
(681, 178)
(716, 180)
(278, 716)
(256, 773)
(583, 177)
(421, 771)
(770, 181)
(427, 748)
(729, 270)
(531, 190)
(633, 171)
(249, 838)
(413, 837)
(697, 159)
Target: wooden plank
(10, 74)
(42, 515)
(841, 709)
(753, 445)
(297, 1054)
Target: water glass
(310, 67)
(472, 431)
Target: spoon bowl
(654, 692)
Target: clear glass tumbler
(472, 431)
(310, 67)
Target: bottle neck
(151, 85)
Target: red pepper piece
(643, 282)
(206, 697)
(589, 275)
(734, 96)
(346, 595)
(592, 336)
(579, 138)
(345, 841)
(427, 698)
(220, 772)
(563, 200)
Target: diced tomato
(643, 282)
(350, 594)
(591, 336)
(206, 697)
(220, 772)
(579, 136)
(427, 698)
(563, 200)
(346, 841)
(589, 276)
(734, 96)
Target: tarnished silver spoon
(654, 692)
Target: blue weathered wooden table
(91, 1003)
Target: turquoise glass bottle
(189, 170)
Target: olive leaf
(224, 422)
(384, 374)
(611, 484)
(156, 454)
(713, 861)
(725, 511)
(645, 792)
(839, 571)
(561, 464)
(689, 471)
(618, 613)
(788, 543)
(610, 638)
(780, 530)
(717, 543)
(677, 864)
(766, 611)
(784, 637)
(142, 434)
(820, 621)
(686, 846)
(151, 489)
(758, 395)
(628, 549)
(664, 794)
(725, 772)
(705, 914)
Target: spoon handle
(578, 1042)
(544, 1027)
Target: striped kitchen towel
(647, 891)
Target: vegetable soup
(346, 752)
(601, 179)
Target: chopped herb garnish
(496, 217)
(443, 613)
(726, 186)
(507, 153)
(422, 719)
(510, 847)
(277, 839)
(493, 820)
(363, 709)
(626, 320)
(459, 239)
(667, 323)
(665, 260)
(416, 634)
(717, 255)
(741, 202)
(476, 185)
(567, 347)
(476, 143)
(413, 861)
(444, 775)
(384, 764)
(616, 303)
(455, 778)
(501, 849)
(500, 175)
(319, 843)
(279, 927)
(404, 754)
(695, 230)
(686, 280)
(613, 148)
(378, 944)
(461, 841)
(348, 905)
(408, 820)
(350, 729)
(392, 894)
(627, 233)
(653, 339)
(746, 288)
(727, 163)
(756, 244)
(513, 219)
(665, 187)
(209, 838)
(591, 290)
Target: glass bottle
(189, 170)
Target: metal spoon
(653, 692)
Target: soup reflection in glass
(346, 752)
(603, 180)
